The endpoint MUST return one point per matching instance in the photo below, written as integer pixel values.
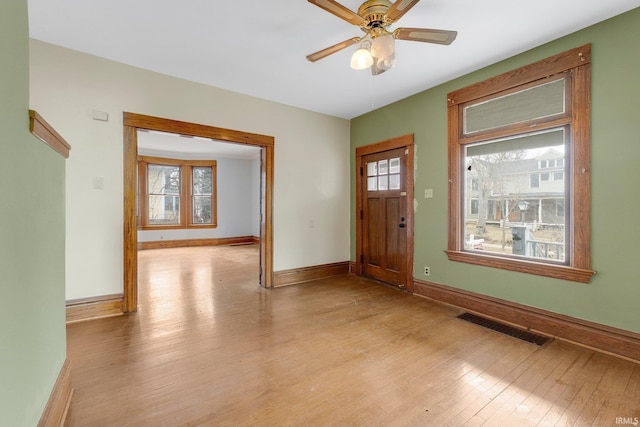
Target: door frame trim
(404, 141)
(131, 123)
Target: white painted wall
(311, 189)
(255, 197)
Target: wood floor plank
(534, 370)
(209, 347)
(602, 407)
(552, 398)
(585, 383)
(481, 373)
(534, 403)
(492, 381)
(629, 404)
(567, 386)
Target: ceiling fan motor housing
(374, 12)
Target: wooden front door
(385, 219)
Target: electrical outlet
(427, 271)
(428, 193)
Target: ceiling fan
(377, 47)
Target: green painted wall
(613, 296)
(32, 305)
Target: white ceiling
(258, 47)
(153, 143)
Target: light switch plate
(98, 183)
(428, 193)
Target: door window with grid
(383, 175)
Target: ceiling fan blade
(332, 49)
(425, 35)
(399, 8)
(339, 10)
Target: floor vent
(505, 329)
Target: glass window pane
(394, 165)
(534, 180)
(202, 180)
(383, 167)
(383, 182)
(372, 183)
(162, 179)
(394, 182)
(533, 103)
(163, 188)
(474, 207)
(164, 210)
(202, 210)
(372, 169)
(515, 209)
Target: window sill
(541, 269)
(175, 227)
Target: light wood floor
(208, 347)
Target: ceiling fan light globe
(387, 63)
(383, 47)
(361, 59)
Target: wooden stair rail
(47, 134)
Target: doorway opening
(132, 124)
(384, 211)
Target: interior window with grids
(176, 193)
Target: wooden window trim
(185, 193)
(577, 62)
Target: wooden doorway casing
(131, 123)
(406, 142)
